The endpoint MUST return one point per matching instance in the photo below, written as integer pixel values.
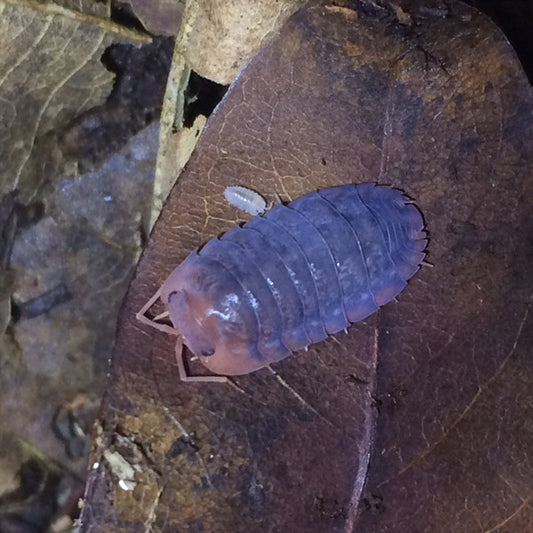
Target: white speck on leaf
(246, 200)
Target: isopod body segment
(292, 277)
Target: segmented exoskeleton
(292, 277)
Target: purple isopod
(290, 278)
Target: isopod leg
(143, 319)
(183, 372)
(164, 314)
(277, 201)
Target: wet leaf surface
(435, 390)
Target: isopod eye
(207, 353)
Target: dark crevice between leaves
(122, 14)
(35, 500)
(134, 103)
(201, 98)
(42, 492)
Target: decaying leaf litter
(70, 238)
(69, 230)
(411, 388)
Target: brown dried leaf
(67, 248)
(442, 111)
(222, 35)
(161, 17)
(71, 269)
(214, 41)
(50, 72)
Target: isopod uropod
(290, 278)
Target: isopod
(246, 200)
(290, 278)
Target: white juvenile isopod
(246, 200)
